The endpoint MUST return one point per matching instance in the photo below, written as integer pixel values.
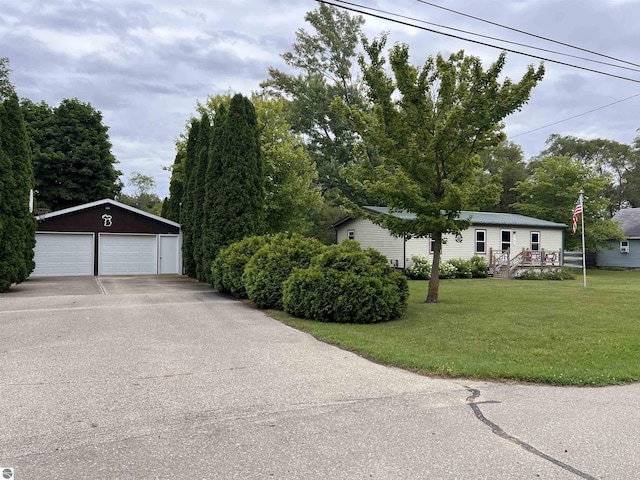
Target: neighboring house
(623, 253)
(106, 238)
(498, 237)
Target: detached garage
(106, 238)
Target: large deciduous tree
(551, 192)
(291, 198)
(603, 156)
(427, 126)
(72, 160)
(6, 87)
(142, 195)
(505, 165)
(323, 61)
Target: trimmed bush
(479, 267)
(348, 285)
(272, 264)
(420, 269)
(464, 268)
(228, 267)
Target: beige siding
(370, 235)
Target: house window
(351, 234)
(505, 243)
(624, 246)
(481, 241)
(432, 245)
(535, 241)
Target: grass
(555, 332)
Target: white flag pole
(584, 258)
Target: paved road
(140, 378)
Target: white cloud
(145, 64)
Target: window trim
(351, 234)
(531, 242)
(483, 241)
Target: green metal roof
(483, 218)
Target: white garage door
(127, 255)
(63, 254)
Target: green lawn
(540, 331)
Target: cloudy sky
(145, 63)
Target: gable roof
(477, 218)
(629, 220)
(106, 201)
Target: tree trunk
(434, 281)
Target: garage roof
(106, 201)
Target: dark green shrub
(347, 284)
(464, 268)
(272, 264)
(228, 267)
(479, 267)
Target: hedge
(272, 264)
(348, 285)
(228, 267)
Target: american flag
(576, 213)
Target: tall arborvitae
(240, 196)
(187, 200)
(8, 240)
(200, 172)
(18, 225)
(211, 242)
(176, 189)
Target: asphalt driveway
(161, 377)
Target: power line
(364, 12)
(575, 116)
(555, 52)
(526, 33)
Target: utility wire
(526, 33)
(575, 116)
(555, 52)
(364, 12)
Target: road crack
(529, 448)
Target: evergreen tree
(212, 240)
(240, 205)
(187, 200)
(17, 224)
(176, 189)
(165, 206)
(200, 173)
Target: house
(501, 238)
(623, 253)
(106, 237)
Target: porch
(505, 263)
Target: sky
(144, 64)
